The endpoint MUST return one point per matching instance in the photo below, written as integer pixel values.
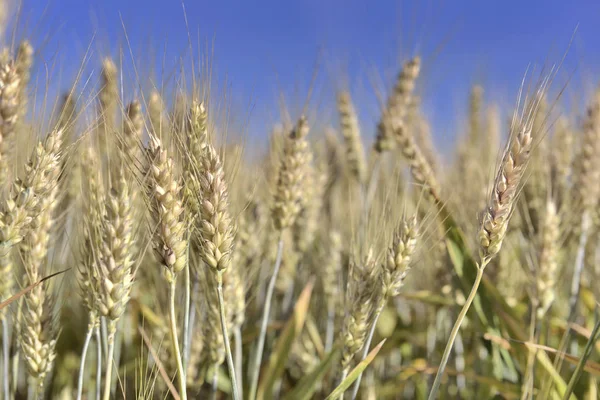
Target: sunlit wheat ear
(355, 154)
(215, 346)
(420, 168)
(235, 295)
(562, 159)
(108, 98)
(291, 176)
(548, 261)
(67, 115)
(116, 253)
(164, 193)
(587, 190)
(332, 267)
(399, 257)
(197, 140)
(10, 83)
(9, 105)
(215, 227)
(156, 114)
(94, 214)
(23, 64)
(397, 102)
(360, 305)
(38, 329)
(419, 126)
(22, 205)
(507, 184)
(307, 222)
(133, 130)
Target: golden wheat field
(148, 250)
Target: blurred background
(264, 51)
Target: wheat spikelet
(133, 129)
(355, 156)
(399, 257)
(94, 211)
(506, 185)
(9, 111)
(418, 124)
(116, 253)
(562, 159)
(330, 273)
(419, 166)
(20, 208)
(23, 64)
(548, 262)
(19, 211)
(589, 168)
(290, 180)
(156, 110)
(396, 105)
(215, 225)
(197, 140)
(307, 222)
(164, 192)
(38, 328)
(360, 303)
(108, 98)
(215, 343)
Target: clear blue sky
(267, 46)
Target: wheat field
(148, 252)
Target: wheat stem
(329, 330)
(16, 356)
(5, 358)
(186, 317)
(99, 364)
(575, 283)
(589, 347)
(454, 332)
(237, 334)
(367, 346)
(108, 375)
(344, 375)
(86, 345)
(263, 326)
(215, 384)
(232, 375)
(175, 340)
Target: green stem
(586, 354)
(342, 378)
(454, 333)
(109, 360)
(366, 347)
(175, 341)
(263, 326)
(86, 345)
(232, 376)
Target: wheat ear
(287, 203)
(500, 206)
(170, 238)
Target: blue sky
(265, 47)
